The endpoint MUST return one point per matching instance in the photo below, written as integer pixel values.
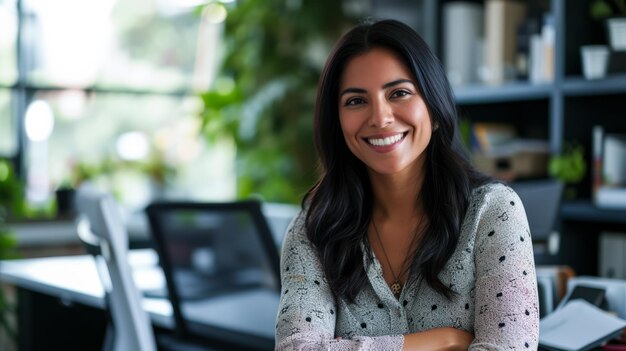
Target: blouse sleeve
(307, 309)
(507, 314)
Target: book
(552, 286)
(502, 18)
(487, 137)
(611, 198)
(612, 255)
(578, 325)
(609, 169)
(598, 134)
(560, 275)
(614, 163)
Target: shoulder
(298, 223)
(494, 195)
(496, 207)
(495, 204)
(296, 231)
(492, 190)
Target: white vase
(594, 59)
(617, 33)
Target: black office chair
(542, 201)
(222, 271)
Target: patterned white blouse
(492, 270)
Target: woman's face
(384, 119)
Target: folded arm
(506, 315)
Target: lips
(388, 140)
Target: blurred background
(213, 101)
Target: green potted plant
(264, 97)
(569, 167)
(8, 243)
(11, 206)
(614, 13)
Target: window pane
(139, 44)
(8, 142)
(8, 52)
(132, 142)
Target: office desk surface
(75, 279)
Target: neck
(395, 195)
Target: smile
(387, 141)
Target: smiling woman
(401, 244)
(384, 119)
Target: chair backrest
(221, 265)
(542, 201)
(132, 327)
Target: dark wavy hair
(340, 202)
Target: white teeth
(385, 141)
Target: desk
(74, 280)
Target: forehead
(376, 66)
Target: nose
(381, 113)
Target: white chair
(101, 226)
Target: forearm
(446, 338)
(312, 341)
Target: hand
(446, 338)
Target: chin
(387, 170)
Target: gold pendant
(396, 288)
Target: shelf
(584, 210)
(578, 86)
(512, 91)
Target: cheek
(349, 131)
(422, 118)
(348, 126)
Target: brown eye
(400, 93)
(354, 101)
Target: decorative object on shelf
(617, 33)
(614, 13)
(569, 167)
(609, 185)
(595, 59)
(462, 33)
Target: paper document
(578, 325)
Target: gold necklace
(396, 286)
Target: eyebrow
(385, 86)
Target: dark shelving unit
(565, 111)
(562, 111)
(584, 210)
(513, 91)
(579, 86)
